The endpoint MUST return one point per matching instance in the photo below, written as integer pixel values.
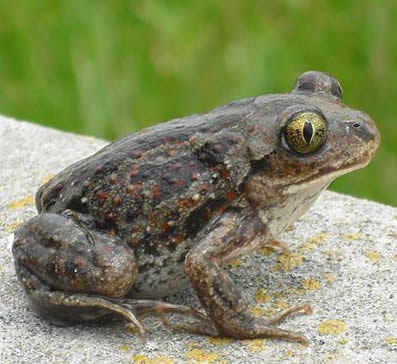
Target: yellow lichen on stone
(289, 261)
(282, 304)
(316, 239)
(219, 340)
(45, 179)
(311, 284)
(234, 263)
(125, 348)
(255, 345)
(17, 204)
(162, 360)
(260, 311)
(332, 327)
(343, 341)
(201, 356)
(265, 251)
(261, 296)
(350, 236)
(299, 292)
(391, 340)
(142, 359)
(11, 227)
(336, 254)
(192, 344)
(329, 277)
(373, 256)
(257, 311)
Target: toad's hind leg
(63, 308)
(70, 273)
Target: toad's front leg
(221, 299)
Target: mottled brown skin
(172, 203)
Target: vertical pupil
(308, 132)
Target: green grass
(106, 68)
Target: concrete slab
(344, 262)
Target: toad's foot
(203, 326)
(258, 327)
(144, 308)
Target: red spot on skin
(152, 222)
(208, 213)
(137, 153)
(135, 190)
(195, 175)
(165, 227)
(134, 171)
(134, 242)
(117, 200)
(193, 139)
(230, 195)
(222, 277)
(176, 166)
(224, 172)
(179, 182)
(220, 209)
(245, 188)
(59, 187)
(177, 239)
(203, 187)
(170, 152)
(156, 192)
(102, 196)
(268, 139)
(107, 249)
(218, 147)
(79, 261)
(185, 203)
(98, 170)
(113, 179)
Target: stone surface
(344, 261)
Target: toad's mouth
(326, 175)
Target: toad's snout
(365, 132)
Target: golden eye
(306, 132)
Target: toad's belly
(161, 270)
(159, 282)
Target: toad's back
(156, 188)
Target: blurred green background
(105, 68)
